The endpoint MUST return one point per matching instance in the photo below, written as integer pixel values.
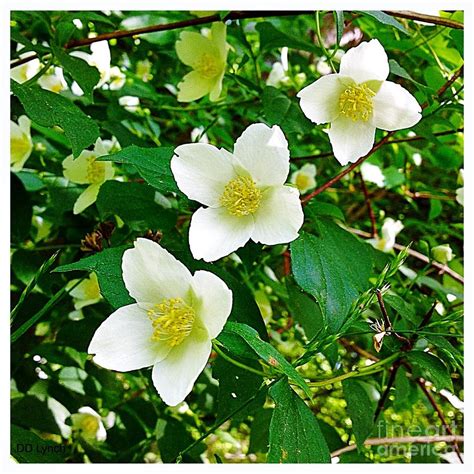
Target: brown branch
(438, 410)
(435, 20)
(373, 224)
(415, 254)
(400, 440)
(389, 142)
(384, 397)
(349, 345)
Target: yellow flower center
(90, 425)
(241, 196)
(356, 102)
(95, 170)
(303, 181)
(172, 321)
(207, 65)
(19, 146)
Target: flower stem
(237, 363)
(321, 44)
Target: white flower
(198, 133)
(129, 102)
(304, 178)
(88, 424)
(442, 253)
(53, 80)
(85, 169)
(171, 325)
(460, 191)
(86, 293)
(279, 74)
(372, 174)
(244, 192)
(117, 78)
(358, 100)
(21, 144)
(390, 230)
(24, 72)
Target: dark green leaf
(108, 266)
(339, 25)
(21, 210)
(271, 37)
(153, 164)
(334, 267)
(361, 401)
(385, 19)
(49, 109)
(295, 436)
(434, 369)
(268, 353)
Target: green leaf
(271, 38)
(153, 164)
(399, 71)
(385, 19)
(260, 430)
(236, 385)
(434, 369)
(339, 25)
(402, 307)
(49, 109)
(305, 311)
(108, 266)
(361, 401)
(31, 412)
(135, 204)
(316, 208)
(334, 267)
(295, 436)
(21, 210)
(27, 447)
(268, 353)
(86, 76)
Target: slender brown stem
(435, 20)
(352, 346)
(415, 254)
(400, 440)
(384, 397)
(438, 410)
(389, 142)
(373, 224)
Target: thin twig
(413, 253)
(384, 397)
(435, 20)
(400, 440)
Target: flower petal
(123, 341)
(350, 140)
(77, 170)
(87, 198)
(218, 32)
(279, 217)
(21, 145)
(215, 301)
(217, 88)
(201, 171)
(151, 274)
(214, 233)
(191, 46)
(320, 100)
(194, 86)
(395, 108)
(263, 152)
(366, 62)
(174, 376)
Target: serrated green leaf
(339, 26)
(268, 353)
(385, 19)
(108, 266)
(334, 267)
(153, 165)
(361, 401)
(434, 369)
(295, 436)
(135, 204)
(49, 109)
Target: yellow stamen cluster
(172, 321)
(207, 66)
(20, 145)
(241, 196)
(356, 102)
(95, 171)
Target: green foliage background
(305, 327)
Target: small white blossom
(244, 192)
(87, 423)
(304, 178)
(372, 174)
(21, 144)
(390, 229)
(357, 101)
(171, 325)
(442, 253)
